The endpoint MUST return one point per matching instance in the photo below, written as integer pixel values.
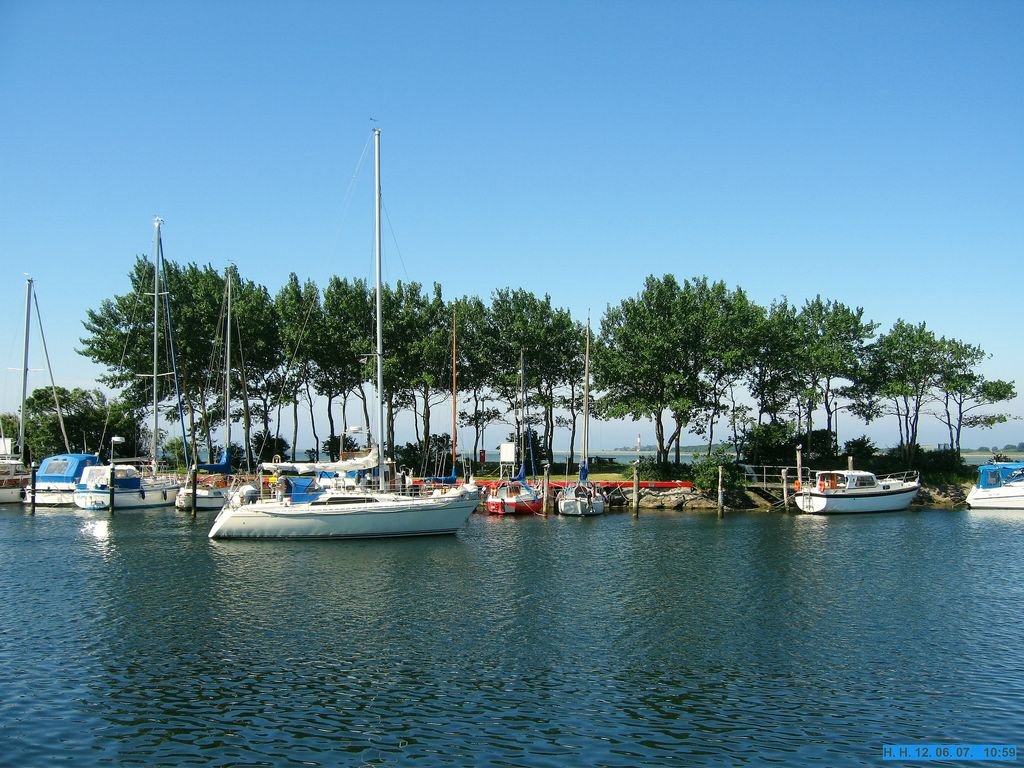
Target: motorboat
(57, 478)
(133, 489)
(1000, 485)
(835, 492)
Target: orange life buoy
(796, 485)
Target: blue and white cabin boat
(57, 478)
(1000, 485)
(132, 490)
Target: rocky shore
(946, 495)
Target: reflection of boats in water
(852, 491)
(1000, 485)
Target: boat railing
(772, 477)
(907, 476)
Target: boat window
(59, 467)
(992, 478)
(343, 500)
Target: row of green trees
(695, 356)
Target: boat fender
(796, 485)
(165, 495)
(142, 494)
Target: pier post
(721, 493)
(636, 490)
(785, 488)
(849, 462)
(32, 501)
(546, 489)
(110, 485)
(799, 463)
(195, 484)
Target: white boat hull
(353, 517)
(575, 507)
(206, 498)
(844, 502)
(152, 496)
(10, 494)
(51, 497)
(1005, 497)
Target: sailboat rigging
(327, 504)
(583, 498)
(124, 486)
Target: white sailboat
(323, 507)
(133, 489)
(583, 498)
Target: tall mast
(454, 395)
(227, 380)
(157, 221)
(380, 328)
(24, 370)
(586, 402)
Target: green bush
(652, 471)
(705, 473)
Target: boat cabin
(1000, 474)
(849, 479)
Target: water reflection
(658, 640)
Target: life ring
(796, 485)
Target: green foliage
(705, 472)
(651, 470)
(772, 444)
(861, 449)
(684, 355)
(266, 447)
(437, 462)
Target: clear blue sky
(872, 152)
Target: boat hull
(844, 502)
(580, 507)
(151, 496)
(354, 518)
(11, 494)
(51, 497)
(1005, 497)
(500, 506)
(580, 500)
(206, 498)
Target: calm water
(668, 640)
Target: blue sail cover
(223, 468)
(450, 480)
(583, 472)
(65, 467)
